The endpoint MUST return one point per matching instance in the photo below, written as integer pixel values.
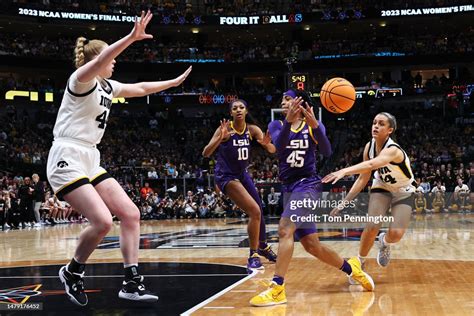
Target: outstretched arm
(90, 70)
(264, 140)
(358, 185)
(386, 156)
(140, 89)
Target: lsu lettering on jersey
(393, 177)
(233, 154)
(298, 159)
(85, 109)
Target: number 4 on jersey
(102, 119)
(389, 179)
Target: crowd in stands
(266, 49)
(137, 148)
(201, 203)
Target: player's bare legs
(402, 215)
(120, 205)
(286, 230)
(236, 191)
(379, 204)
(313, 246)
(87, 201)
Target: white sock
(128, 265)
(361, 258)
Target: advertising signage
(42, 97)
(223, 20)
(428, 11)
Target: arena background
(413, 59)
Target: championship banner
(428, 11)
(174, 19)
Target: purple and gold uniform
(296, 149)
(233, 154)
(232, 162)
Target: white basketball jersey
(394, 175)
(85, 109)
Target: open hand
(308, 113)
(265, 140)
(334, 177)
(335, 211)
(224, 129)
(179, 80)
(138, 33)
(294, 110)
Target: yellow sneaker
(360, 276)
(274, 295)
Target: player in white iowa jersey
(392, 187)
(74, 170)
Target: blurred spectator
(146, 191)
(273, 201)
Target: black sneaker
(74, 285)
(134, 290)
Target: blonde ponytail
(87, 50)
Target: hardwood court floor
(432, 271)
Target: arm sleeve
(323, 141)
(274, 129)
(280, 134)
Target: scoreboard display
(388, 92)
(309, 83)
(299, 81)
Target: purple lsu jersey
(298, 159)
(233, 154)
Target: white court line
(141, 261)
(215, 296)
(121, 276)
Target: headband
(290, 93)
(238, 100)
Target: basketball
(338, 95)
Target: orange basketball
(338, 95)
